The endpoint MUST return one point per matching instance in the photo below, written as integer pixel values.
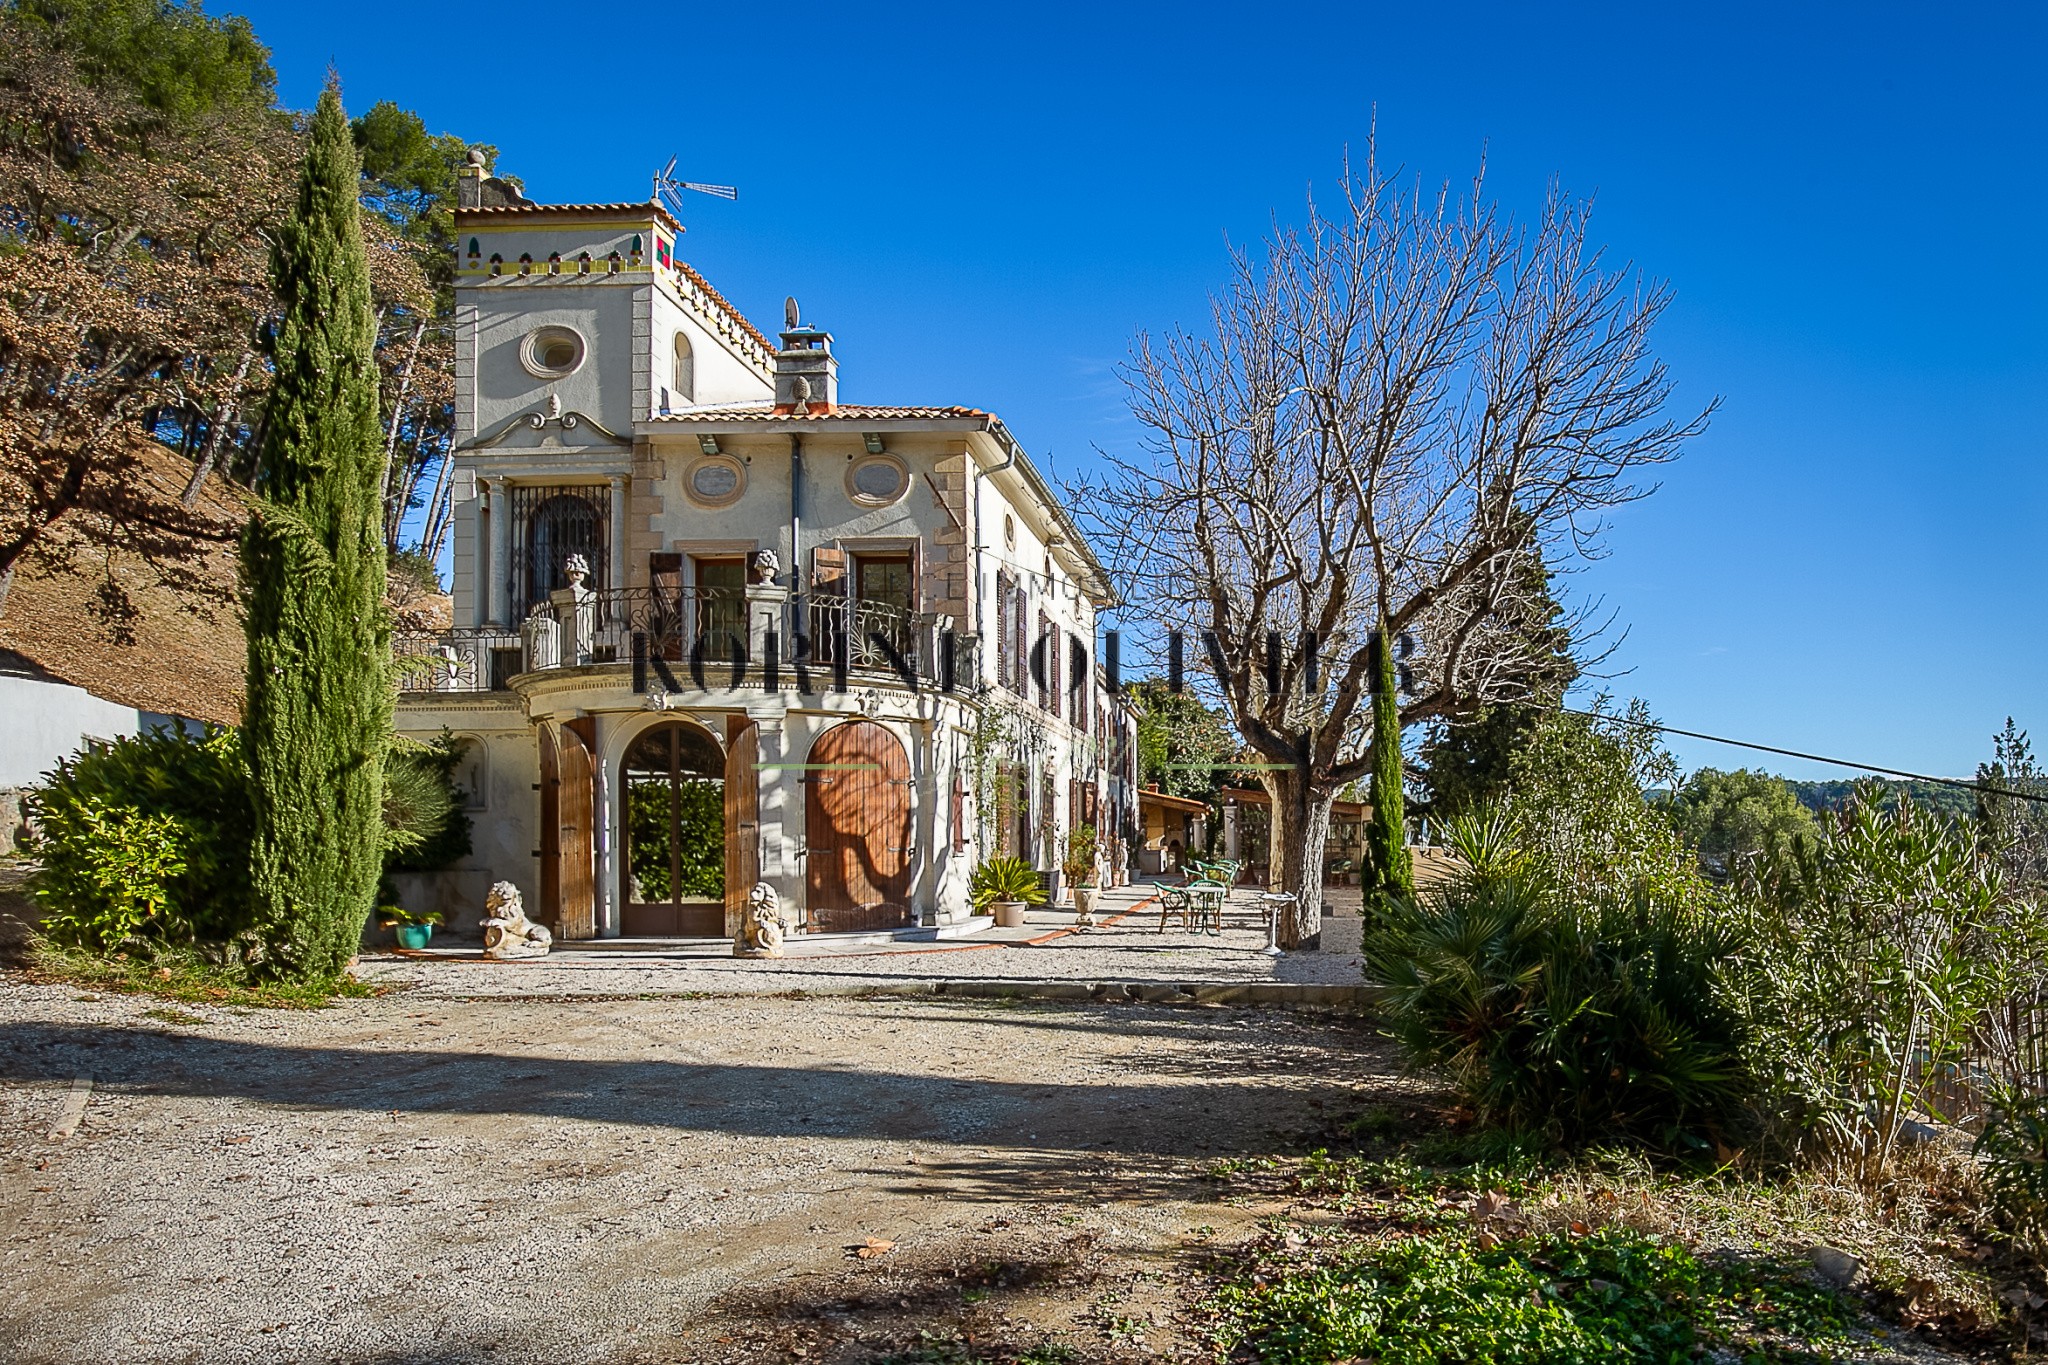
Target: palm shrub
(1005, 879)
(425, 826)
(1566, 1016)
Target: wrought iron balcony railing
(709, 632)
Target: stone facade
(613, 405)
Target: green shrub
(1005, 879)
(1736, 817)
(155, 799)
(1574, 1018)
(1872, 958)
(142, 795)
(107, 874)
(1079, 863)
(1578, 806)
(2013, 1151)
(699, 826)
(1555, 1299)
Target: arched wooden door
(857, 830)
(576, 818)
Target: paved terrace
(1127, 946)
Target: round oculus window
(716, 481)
(552, 352)
(877, 480)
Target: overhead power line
(1965, 783)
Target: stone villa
(714, 626)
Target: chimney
(469, 181)
(806, 373)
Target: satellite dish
(790, 315)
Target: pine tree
(318, 713)
(1468, 762)
(1386, 834)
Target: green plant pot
(414, 935)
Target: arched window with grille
(552, 524)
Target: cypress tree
(1386, 835)
(317, 718)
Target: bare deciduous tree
(1393, 405)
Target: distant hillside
(1827, 796)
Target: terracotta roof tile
(568, 210)
(684, 268)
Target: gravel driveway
(412, 1179)
(1129, 947)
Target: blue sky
(985, 203)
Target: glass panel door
(721, 604)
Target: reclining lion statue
(508, 933)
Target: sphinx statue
(508, 933)
(761, 924)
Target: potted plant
(1079, 866)
(412, 928)
(1005, 886)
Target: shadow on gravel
(860, 1313)
(1236, 1105)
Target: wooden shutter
(1004, 644)
(550, 909)
(576, 816)
(958, 815)
(828, 571)
(742, 817)
(1019, 619)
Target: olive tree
(1391, 406)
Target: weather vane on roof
(669, 190)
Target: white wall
(42, 721)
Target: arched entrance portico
(673, 817)
(857, 824)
